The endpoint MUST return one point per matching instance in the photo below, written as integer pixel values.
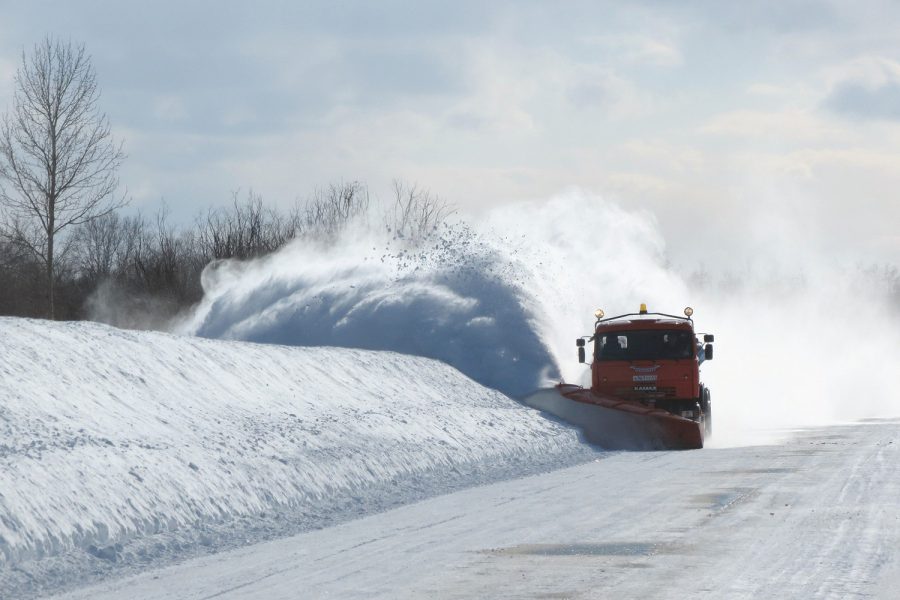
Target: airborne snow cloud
(503, 301)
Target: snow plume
(577, 253)
(112, 304)
(455, 299)
(502, 302)
(800, 348)
(800, 342)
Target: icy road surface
(815, 517)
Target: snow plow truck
(645, 389)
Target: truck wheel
(706, 406)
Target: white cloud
(871, 71)
(767, 89)
(637, 49)
(794, 93)
(636, 183)
(867, 87)
(659, 155)
(808, 160)
(655, 52)
(498, 104)
(790, 125)
(170, 108)
(518, 84)
(596, 88)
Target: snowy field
(124, 450)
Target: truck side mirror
(709, 338)
(581, 354)
(708, 352)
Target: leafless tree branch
(58, 159)
(416, 212)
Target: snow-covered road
(816, 516)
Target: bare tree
(58, 159)
(416, 212)
(331, 209)
(245, 230)
(106, 247)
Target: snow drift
(110, 435)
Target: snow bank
(110, 435)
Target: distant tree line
(145, 270)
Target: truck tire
(706, 407)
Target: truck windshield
(648, 344)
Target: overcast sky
(728, 121)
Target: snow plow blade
(618, 424)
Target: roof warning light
(643, 309)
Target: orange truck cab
(654, 359)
